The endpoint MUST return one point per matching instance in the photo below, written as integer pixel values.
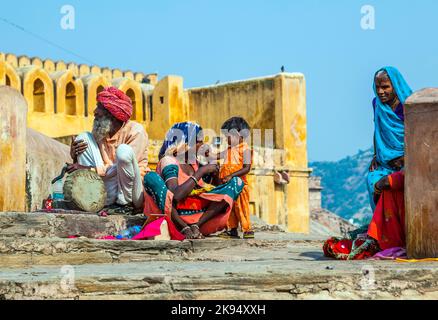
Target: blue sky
(210, 40)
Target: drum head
(85, 190)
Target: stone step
(51, 225)
(299, 276)
(24, 252)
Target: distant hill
(344, 182)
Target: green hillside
(344, 184)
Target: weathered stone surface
(297, 277)
(48, 225)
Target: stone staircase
(38, 261)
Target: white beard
(101, 128)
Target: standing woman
(391, 92)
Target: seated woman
(177, 188)
(385, 177)
(391, 92)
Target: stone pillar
(291, 135)
(45, 158)
(13, 117)
(421, 181)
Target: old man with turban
(116, 149)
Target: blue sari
(389, 131)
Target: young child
(237, 160)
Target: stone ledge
(252, 280)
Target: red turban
(116, 102)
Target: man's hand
(77, 148)
(75, 166)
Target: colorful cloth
(388, 223)
(347, 249)
(391, 254)
(159, 199)
(234, 162)
(389, 130)
(116, 102)
(153, 229)
(180, 138)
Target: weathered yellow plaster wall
(278, 103)
(167, 106)
(253, 100)
(13, 110)
(69, 94)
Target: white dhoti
(123, 181)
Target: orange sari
(240, 212)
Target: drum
(84, 190)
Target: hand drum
(84, 190)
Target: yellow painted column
(13, 118)
(291, 135)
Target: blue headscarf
(181, 137)
(389, 128)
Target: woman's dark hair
(237, 124)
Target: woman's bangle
(194, 179)
(376, 190)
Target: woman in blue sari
(391, 92)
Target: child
(237, 163)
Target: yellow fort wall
(61, 99)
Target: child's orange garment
(233, 163)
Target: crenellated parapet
(67, 91)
